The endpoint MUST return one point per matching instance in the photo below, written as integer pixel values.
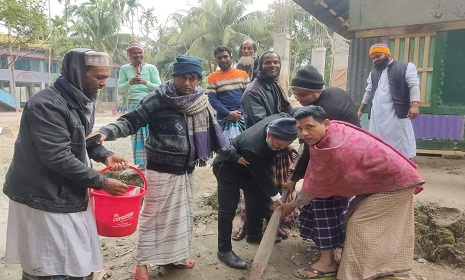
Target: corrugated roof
(333, 13)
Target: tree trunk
(13, 80)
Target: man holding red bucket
(183, 133)
(51, 229)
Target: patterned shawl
(350, 161)
(205, 135)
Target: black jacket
(251, 144)
(49, 170)
(167, 146)
(400, 91)
(260, 100)
(338, 106)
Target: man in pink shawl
(345, 161)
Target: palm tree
(96, 24)
(147, 21)
(211, 24)
(131, 9)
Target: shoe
(232, 260)
(136, 277)
(257, 239)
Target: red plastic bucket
(117, 216)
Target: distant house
(31, 75)
(429, 33)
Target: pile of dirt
(129, 177)
(440, 234)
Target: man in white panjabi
(394, 91)
(51, 228)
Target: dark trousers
(230, 181)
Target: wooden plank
(426, 51)
(424, 74)
(427, 69)
(424, 77)
(396, 48)
(406, 48)
(267, 244)
(411, 29)
(440, 152)
(412, 35)
(416, 50)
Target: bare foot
(140, 273)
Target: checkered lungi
(27, 276)
(323, 221)
(138, 139)
(231, 129)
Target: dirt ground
(445, 186)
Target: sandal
(238, 233)
(319, 274)
(283, 232)
(190, 265)
(136, 277)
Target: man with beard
(136, 80)
(183, 134)
(264, 97)
(394, 91)
(248, 61)
(225, 88)
(51, 228)
(323, 219)
(245, 165)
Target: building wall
(31, 75)
(440, 62)
(374, 14)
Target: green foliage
(199, 30)
(24, 21)
(306, 34)
(96, 24)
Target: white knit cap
(94, 58)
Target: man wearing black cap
(246, 166)
(183, 133)
(323, 219)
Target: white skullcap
(94, 58)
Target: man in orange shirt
(225, 88)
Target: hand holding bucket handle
(116, 187)
(118, 216)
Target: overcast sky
(163, 8)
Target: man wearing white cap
(51, 229)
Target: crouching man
(246, 166)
